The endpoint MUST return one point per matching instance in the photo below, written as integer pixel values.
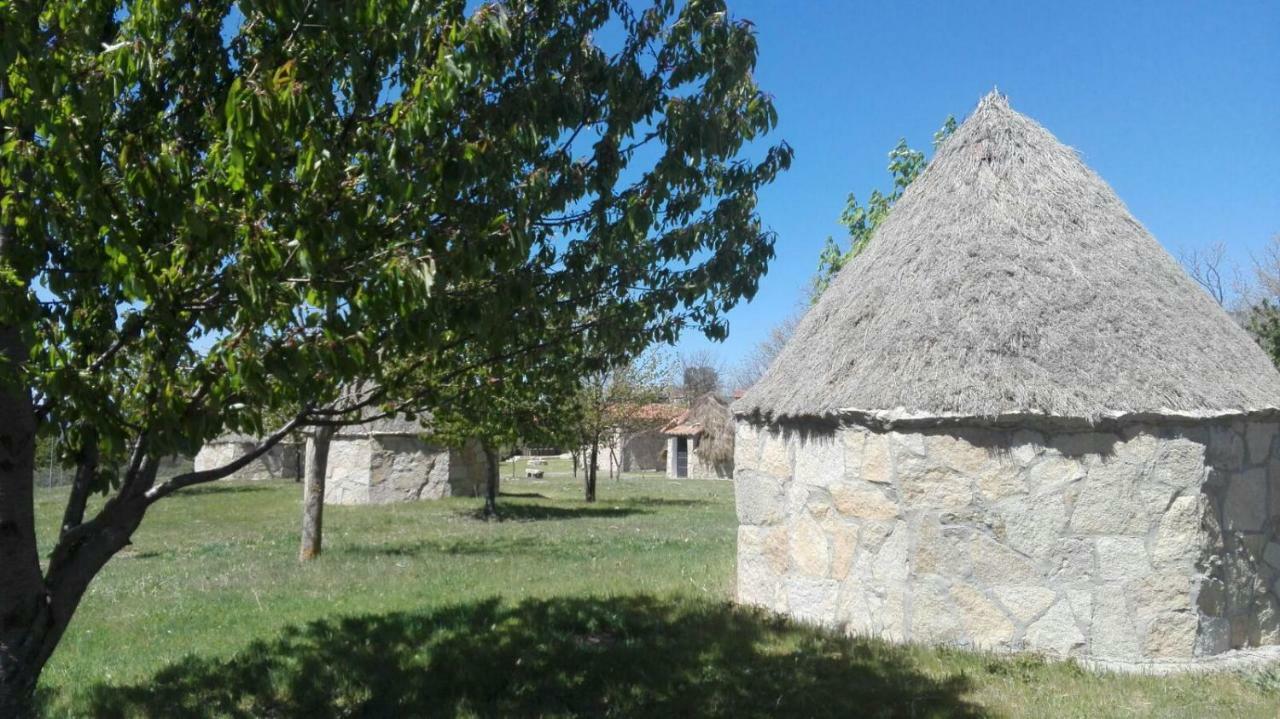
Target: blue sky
(1175, 104)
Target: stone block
(1024, 602)
(1271, 555)
(985, 623)
(760, 497)
(1226, 447)
(1053, 473)
(1071, 562)
(1056, 632)
(1121, 559)
(1180, 464)
(819, 460)
(890, 563)
(1245, 507)
(926, 486)
(810, 554)
(955, 451)
(853, 440)
(746, 446)
(1113, 633)
(842, 538)
(811, 599)
(907, 444)
(1178, 535)
(1033, 524)
(941, 551)
(1107, 504)
(933, 616)
(1213, 636)
(863, 501)
(1258, 440)
(994, 563)
(776, 453)
(877, 460)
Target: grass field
(562, 609)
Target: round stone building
(1013, 422)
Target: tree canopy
(218, 213)
(905, 164)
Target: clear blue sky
(1175, 104)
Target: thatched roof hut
(1011, 279)
(705, 432)
(282, 461)
(1014, 422)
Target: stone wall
(1148, 543)
(636, 452)
(281, 462)
(382, 469)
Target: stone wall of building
(636, 452)
(1148, 543)
(281, 462)
(382, 469)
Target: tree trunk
(317, 462)
(22, 591)
(490, 483)
(574, 455)
(592, 462)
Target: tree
(699, 375)
(905, 165)
(609, 402)
(215, 213)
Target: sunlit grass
(619, 608)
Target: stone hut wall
(1148, 543)
(644, 451)
(281, 462)
(382, 469)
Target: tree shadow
(525, 495)
(664, 502)
(487, 545)
(201, 490)
(518, 512)
(625, 656)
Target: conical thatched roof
(1009, 279)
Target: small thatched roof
(710, 419)
(1009, 279)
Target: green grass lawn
(563, 609)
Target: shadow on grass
(525, 495)
(207, 489)
(629, 656)
(664, 502)
(508, 511)
(494, 545)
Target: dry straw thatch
(710, 420)
(1010, 279)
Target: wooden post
(317, 461)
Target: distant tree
(905, 165)
(217, 213)
(699, 375)
(1259, 303)
(611, 401)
